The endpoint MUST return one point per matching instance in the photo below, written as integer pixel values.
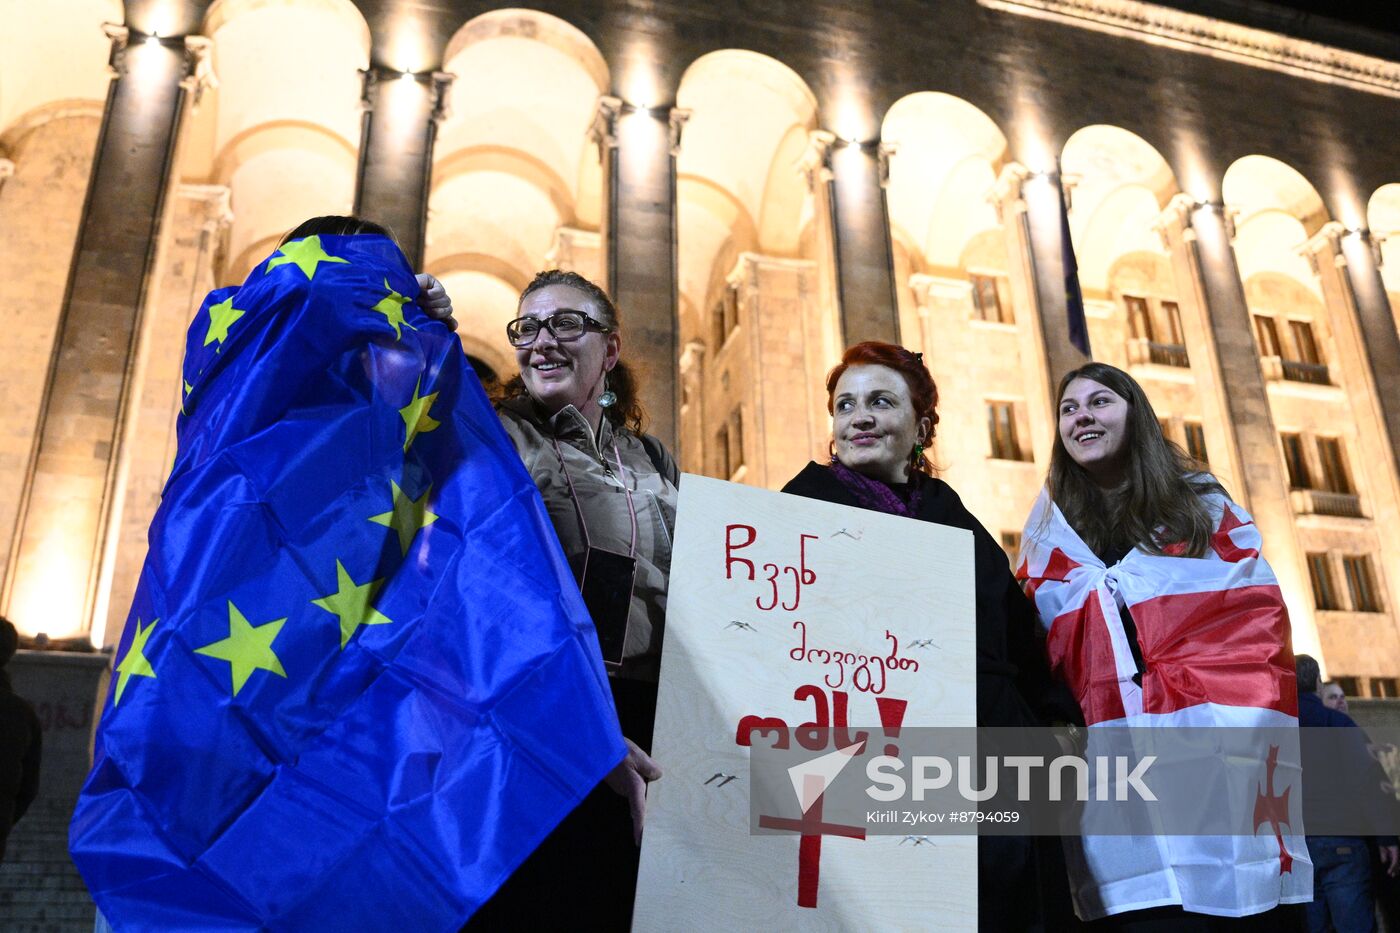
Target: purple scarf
(878, 496)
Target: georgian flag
(1214, 639)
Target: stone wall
(40, 890)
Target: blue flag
(358, 684)
(1074, 297)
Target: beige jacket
(593, 467)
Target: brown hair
(334, 225)
(1157, 506)
(627, 414)
(923, 392)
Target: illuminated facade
(756, 193)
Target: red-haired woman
(883, 405)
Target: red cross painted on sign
(809, 849)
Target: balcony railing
(1169, 354)
(1141, 350)
(1277, 369)
(1314, 373)
(1321, 502)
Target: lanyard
(573, 495)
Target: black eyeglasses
(565, 325)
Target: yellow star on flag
(248, 648)
(135, 663)
(305, 254)
(407, 516)
(416, 419)
(391, 306)
(351, 603)
(221, 316)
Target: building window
(1323, 586)
(1334, 469)
(1139, 318)
(1172, 311)
(1304, 343)
(991, 298)
(736, 441)
(1266, 331)
(1001, 426)
(1361, 582)
(1011, 544)
(1149, 343)
(1196, 441)
(725, 315)
(1351, 686)
(1385, 688)
(1297, 464)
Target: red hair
(923, 393)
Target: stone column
(639, 146)
(1234, 399)
(402, 114)
(1039, 326)
(69, 486)
(861, 233)
(1353, 254)
(1368, 370)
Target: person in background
(1160, 612)
(1333, 697)
(610, 490)
(884, 408)
(21, 743)
(1343, 900)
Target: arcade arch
(50, 117)
(286, 117)
(1340, 476)
(517, 183)
(757, 319)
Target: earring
(831, 450)
(608, 398)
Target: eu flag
(357, 685)
(1074, 296)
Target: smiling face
(1094, 429)
(874, 423)
(570, 373)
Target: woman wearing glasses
(610, 490)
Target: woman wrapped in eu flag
(357, 670)
(610, 491)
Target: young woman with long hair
(1160, 612)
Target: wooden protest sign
(789, 612)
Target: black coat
(1021, 885)
(1014, 687)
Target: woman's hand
(434, 300)
(630, 778)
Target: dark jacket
(20, 746)
(1346, 771)
(1014, 687)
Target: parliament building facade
(758, 190)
